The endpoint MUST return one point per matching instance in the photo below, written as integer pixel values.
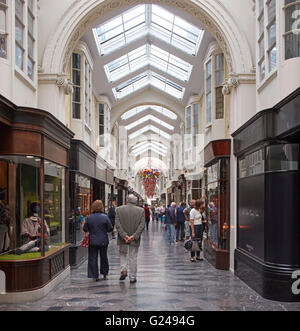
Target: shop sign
(83, 181)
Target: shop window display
(54, 202)
(218, 204)
(22, 235)
(81, 206)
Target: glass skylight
(144, 56)
(149, 118)
(121, 30)
(131, 85)
(149, 78)
(150, 128)
(149, 145)
(174, 30)
(148, 19)
(161, 110)
(153, 142)
(151, 148)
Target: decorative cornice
(234, 80)
(61, 80)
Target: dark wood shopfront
(33, 133)
(217, 187)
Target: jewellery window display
(218, 204)
(22, 235)
(54, 202)
(81, 207)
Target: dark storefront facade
(87, 183)
(34, 195)
(121, 191)
(217, 188)
(268, 243)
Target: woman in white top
(197, 218)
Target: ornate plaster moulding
(194, 99)
(195, 8)
(61, 81)
(235, 80)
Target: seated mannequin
(31, 233)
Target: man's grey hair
(173, 204)
(132, 199)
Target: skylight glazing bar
(149, 118)
(161, 110)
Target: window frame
(77, 86)
(207, 92)
(27, 34)
(263, 47)
(290, 32)
(101, 123)
(4, 33)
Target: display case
(218, 205)
(80, 207)
(33, 195)
(217, 187)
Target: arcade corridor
(167, 281)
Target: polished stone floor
(167, 281)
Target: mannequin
(31, 232)
(5, 222)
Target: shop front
(89, 182)
(82, 189)
(121, 191)
(217, 181)
(268, 238)
(34, 188)
(182, 188)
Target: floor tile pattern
(167, 281)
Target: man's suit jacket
(130, 220)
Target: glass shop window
(282, 157)
(292, 29)
(218, 200)
(81, 204)
(252, 164)
(54, 202)
(83, 195)
(20, 222)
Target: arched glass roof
(137, 110)
(147, 19)
(144, 56)
(150, 128)
(149, 118)
(149, 78)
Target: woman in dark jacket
(98, 225)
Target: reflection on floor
(167, 281)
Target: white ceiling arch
(149, 97)
(81, 15)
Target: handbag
(195, 247)
(85, 241)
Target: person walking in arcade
(98, 225)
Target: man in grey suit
(130, 224)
